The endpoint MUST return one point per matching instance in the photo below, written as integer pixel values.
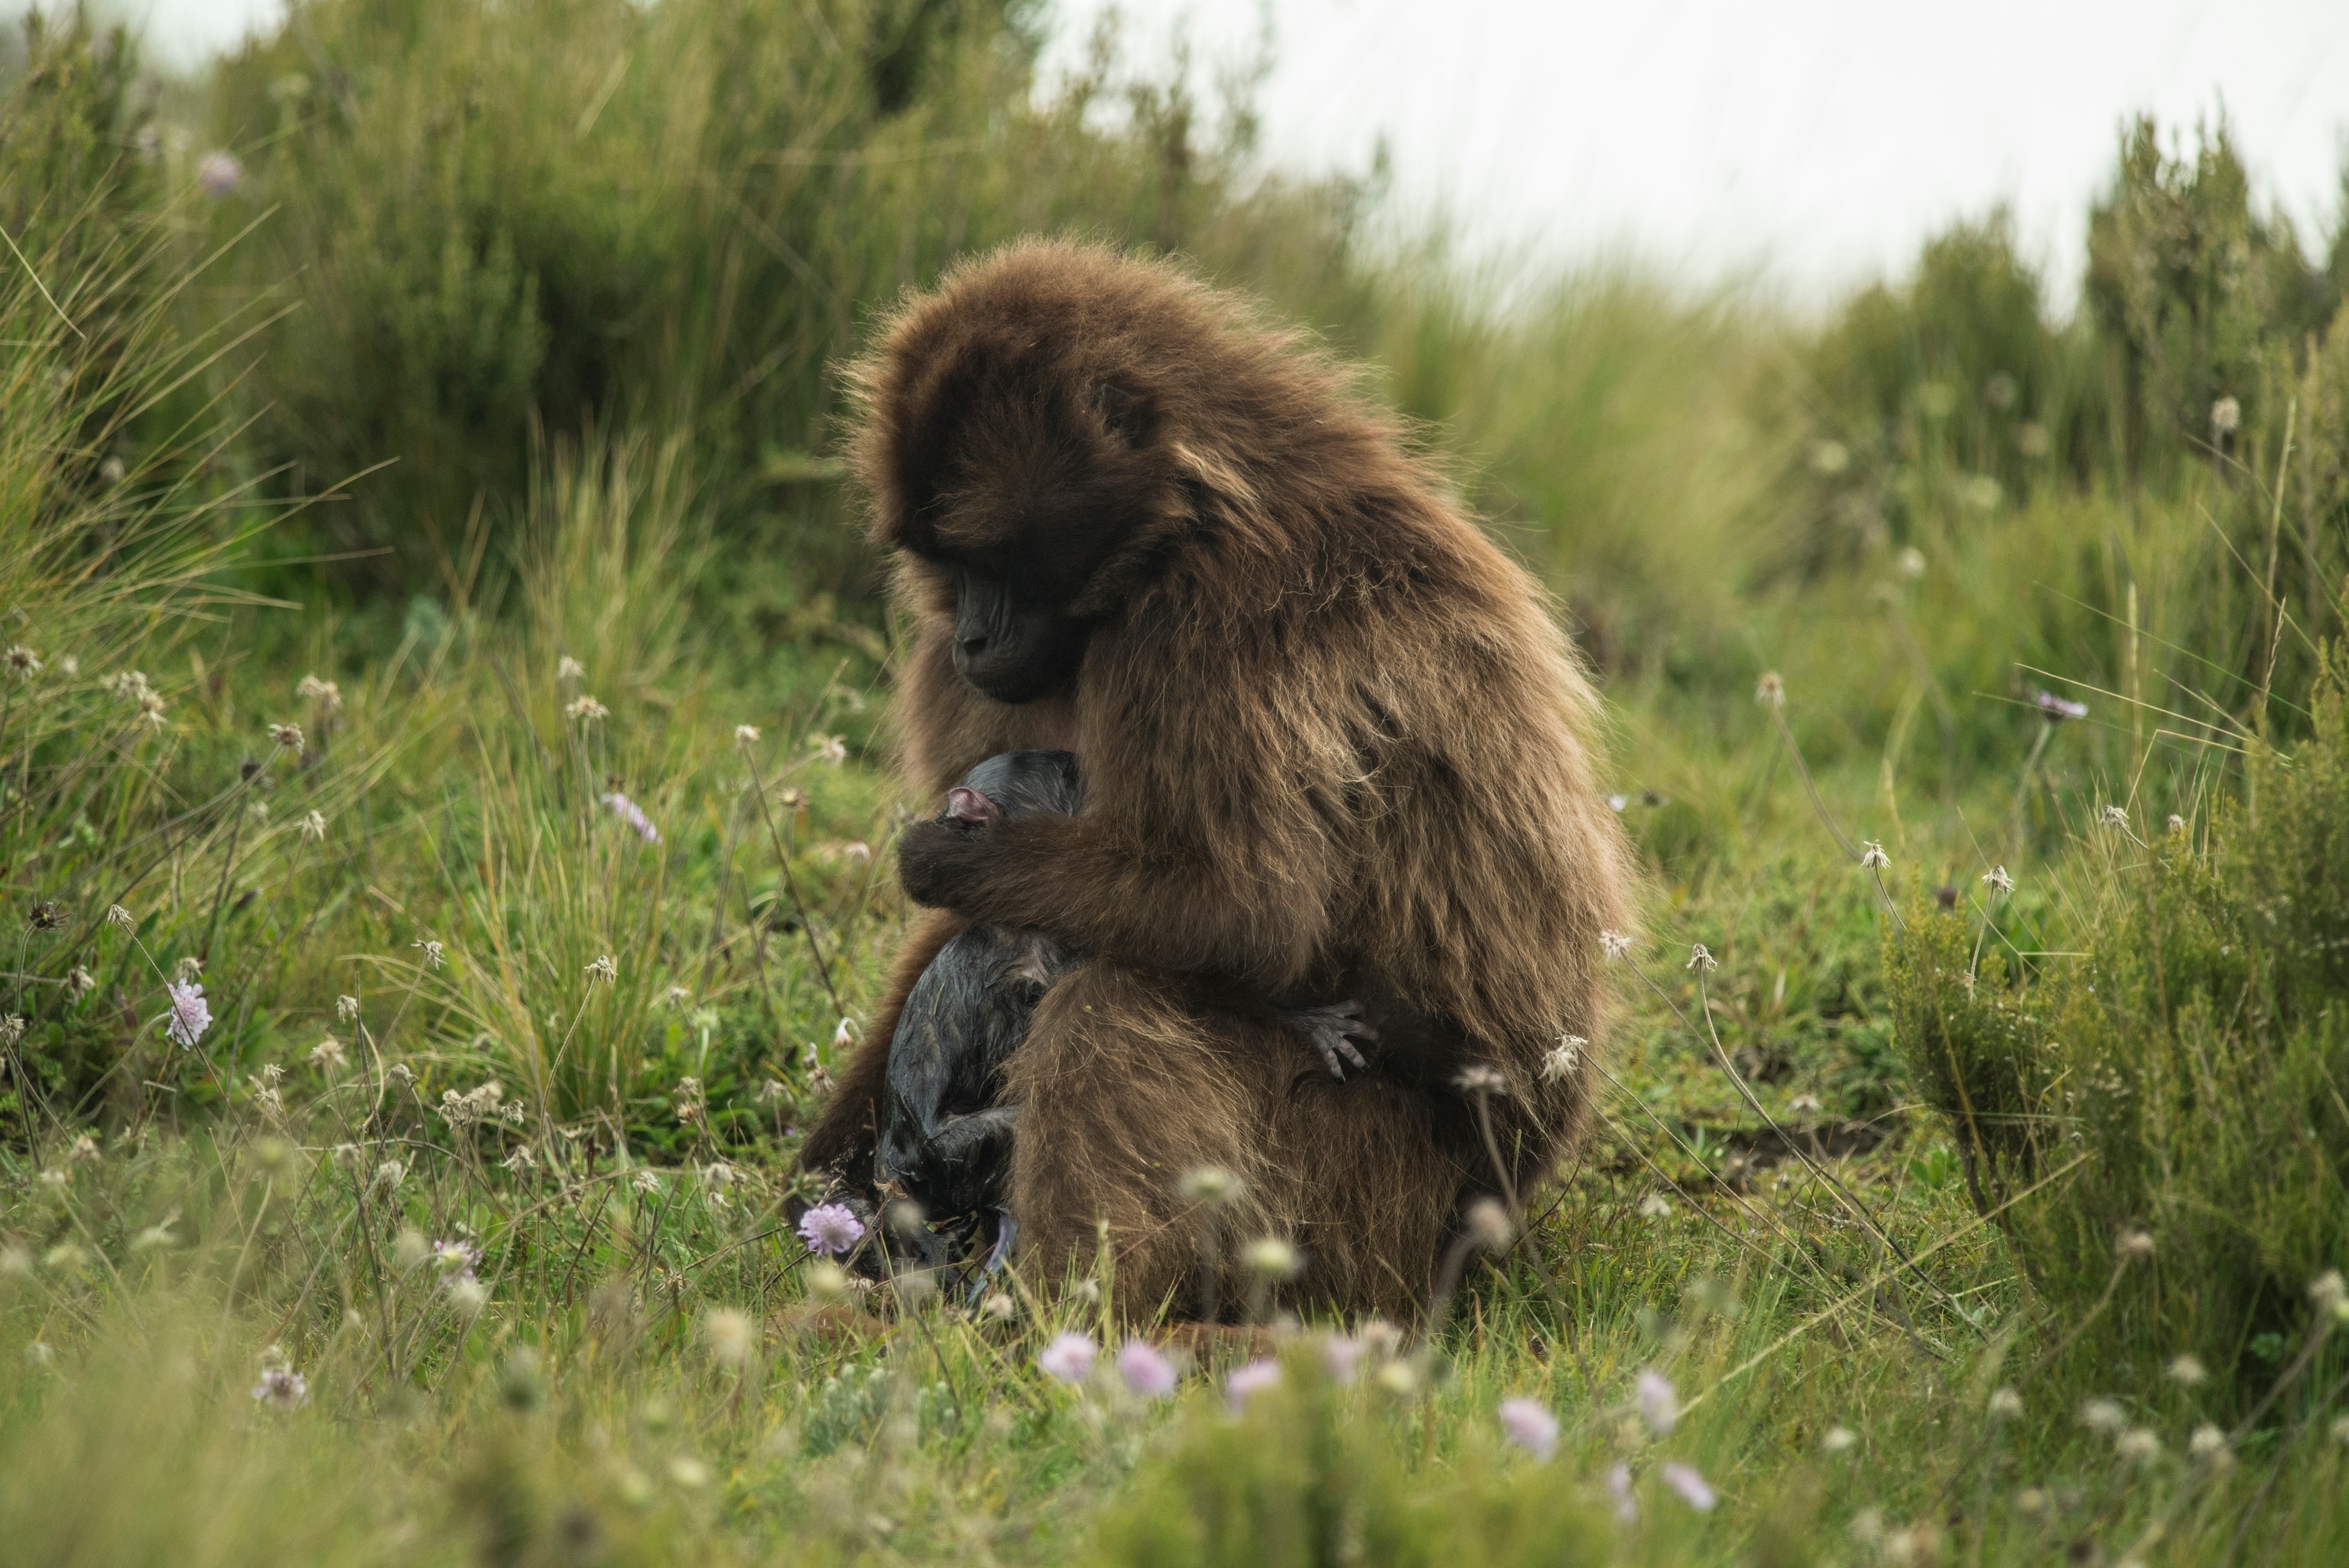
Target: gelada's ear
(1125, 413)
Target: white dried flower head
(1872, 857)
(2208, 1440)
(1654, 1206)
(645, 1181)
(83, 1151)
(271, 1073)
(845, 1034)
(1616, 943)
(434, 953)
(1480, 1079)
(2226, 415)
(2327, 1292)
(2005, 1404)
(325, 694)
(772, 1090)
(2187, 1372)
(2340, 1430)
(188, 969)
(514, 1112)
(832, 748)
(69, 665)
(286, 736)
(2000, 881)
(2135, 1245)
(1804, 1105)
(675, 996)
(271, 1103)
(746, 735)
(1700, 959)
(390, 1174)
(2177, 823)
(567, 668)
(2103, 1416)
(1211, 1185)
(856, 852)
(1488, 1226)
(347, 1009)
(409, 1250)
(11, 1029)
(55, 1180)
(1561, 1060)
(2138, 1445)
(118, 915)
(2113, 817)
(584, 710)
(313, 826)
(1910, 563)
(521, 1159)
(23, 663)
(403, 1072)
(603, 969)
(1836, 1439)
(80, 983)
(1269, 1257)
(467, 1297)
(1770, 691)
(730, 1335)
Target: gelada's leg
(1125, 1084)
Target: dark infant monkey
(943, 1137)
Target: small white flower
(1480, 1079)
(2103, 1416)
(1269, 1257)
(1836, 1439)
(603, 969)
(2005, 1404)
(288, 737)
(832, 748)
(118, 915)
(2187, 1372)
(2138, 1445)
(1770, 691)
(2135, 1245)
(347, 1009)
(586, 710)
(2226, 416)
(645, 1181)
(23, 663)
(1700, 959)
(2206, 1442)
(1562, 1059)
(746, 735)
(190, 1016)
(2000, 882)
(567, 668)
(2113, 817)
(11, 1029)
(1872, 857)
(433, 953)
(80, 983)
(1654, 1206)
(313, 826)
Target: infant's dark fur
(943, 1137)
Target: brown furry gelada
(1333, 747)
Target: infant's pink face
(968, 805)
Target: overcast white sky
(1823, 138)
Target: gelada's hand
(943, 863)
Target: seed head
(325, 694)
(605, 969)
(11, 1029)
(730, 1335)
(2328, 1293)
(23, 663)
(387, 1176)
(1770, 691)
(1616, 943)
(118, 915)
(1836, 1439)
(1872, 857)
(567, 668)
(1700, 960)
(1654, 1206)
(1488, 1226)
(1210, 1186)
(2226, 416)
(999, 1306)
(287, 736)
(746, 735)
(2005, 1404)
(346, 1008)
(844, 1036)
(832, 748)
(1480, 1078)
(2114, 817)
(80, 983)
(2000, 881)
(2135, 1245)
(329, 1055)
(2187, 1372)
(2103, 1416)
(2208, 1440)
(1269, 1257)
(313, 826)
(433, 953)
(467, 1297)
(647, 1184)
(584, 710)
(2138, 1445)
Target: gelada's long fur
(1327, 732)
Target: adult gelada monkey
(1333, 747)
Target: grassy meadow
(445, 821)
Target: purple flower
(191, 1014)
(1069, 1357)
(457, 1258)
(831, 1228)
(1530, 1426)
(631, 814)
(219, 173)
(282, 1388)
(2056, 709)
(1343, 1355)
(1251, 1380)
(1684, 1479)
(1659, 1406)
(1619, 1486)
(1145, 1370)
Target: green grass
(1865, 1195)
